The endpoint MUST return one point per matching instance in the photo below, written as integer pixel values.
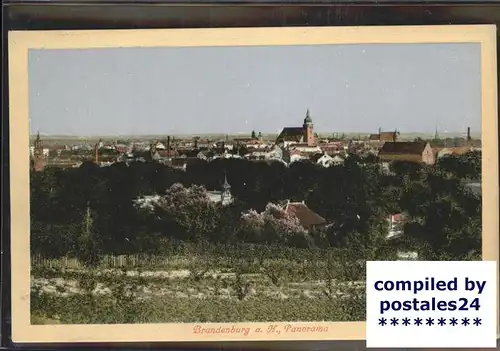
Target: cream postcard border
(20, 42)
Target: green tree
(88, 250)
(445, 218)
(187, 213)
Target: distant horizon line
(242, 134)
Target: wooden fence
(123, 261)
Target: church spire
(308, 119)
(226, 196)
(226, 185)
(38, 156)
(38, 144)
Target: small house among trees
(307, 218)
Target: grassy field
(184, 289)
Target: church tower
(308, 129)
(226, 196)
(38, 157)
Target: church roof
(291, 134)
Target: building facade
(412, 151)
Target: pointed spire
(307, 113)
(226, 185)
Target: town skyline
(414, 88)
(403, 135)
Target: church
(223, 197)
(298, 135)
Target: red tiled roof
(306, 216)
(383, 136)
(406, 147)
(398, 217)
(459, 150)
(387, 136)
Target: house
(256, 144)
(121, 148)
(308, 219)
(276, 153)
(303, 147)
(326, 160)
(297, 156)
(410, 151)
(331, 148)
(178, 163)
(256, 155)
(395, 232)
(396, 223)
(453, 151)
(160, 146)
(167, 153)
(323, 160)
(337, 160)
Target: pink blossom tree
(273, 225)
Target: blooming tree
(188, 212)
(273, 225)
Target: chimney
(96, 150)
(468, 134)
(196, 143)
(168, 146)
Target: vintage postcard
(230, 184)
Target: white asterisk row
(405, 321)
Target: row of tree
(90, 210)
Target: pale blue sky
(348, 88)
